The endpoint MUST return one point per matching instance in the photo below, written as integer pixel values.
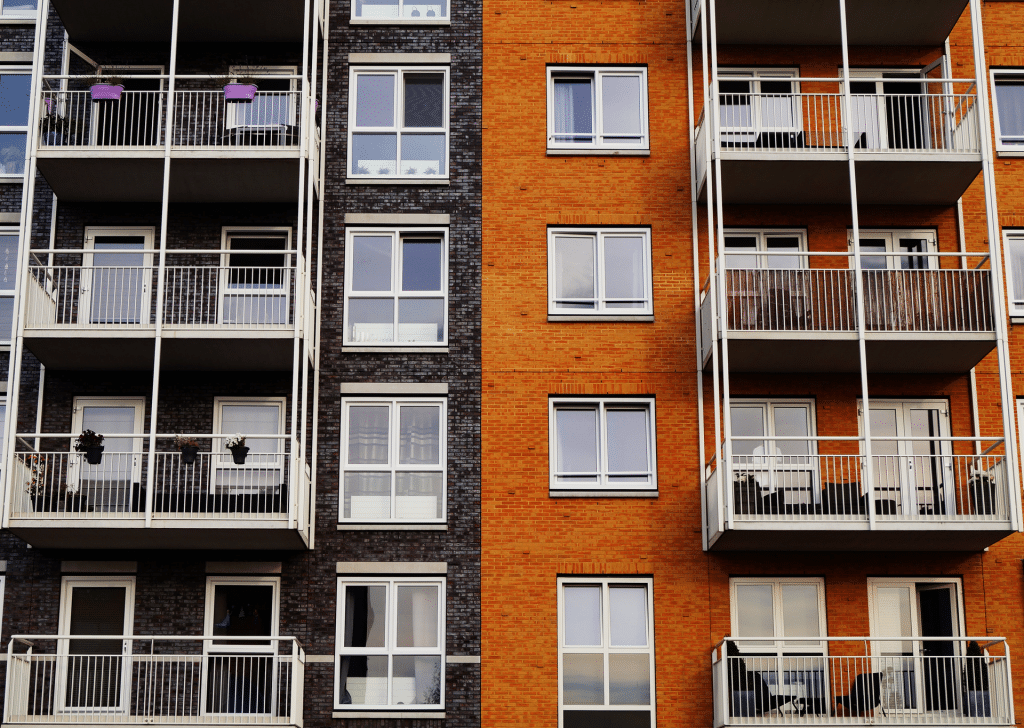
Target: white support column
(24, 243)
(858, 277)
(160, 292)
(995, 247)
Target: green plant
(88, 439)
(181, 441)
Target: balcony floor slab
(131, 533)
(855, 536)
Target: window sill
(399, 21)
(599, 152)
(424, 715)
(394, 350)
(392, 527)
(12, 180)
(1010, 153)
(1013, 320)
(603, 493)
(556, 318)
(17, 21)
(396, 181)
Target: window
(759, 108)
(1009, 108)
(116, 276)
(1014, 245)
(396, 287)
(262, 472)
(892, 113)
(776, 609)
(256, 288)
(390, 643)
(765, 249)
(773, 472)
(107, 487)
(19, 8)
(604, 444)
(274, 105)
(9, 241)
(393, 459)
(398, 123)
(15, 87)
(896, 250)
(597, 108)
(595, 272)
(606, 652)
(382, 11)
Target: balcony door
(116, 277)
(759, 108)
(912, 478)
(135, 119)
(255, 280)
(889, 114)
(263, 473)
(109, 486)
(272, 110)
(916, 676)
(94, 673)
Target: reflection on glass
(575, 265)
(376, 8)
(419, 435)
(574, 110)
(620, 104)
(367, 496)
(582, 616)
(755, 611)
(371, 319)
(421, 320)
(417, 616)
(364, 679)
(424, 100)
(368, 435)
(734, 245)
(627, 441)
(423, 154)
(628, 605)
(629, 679)
(582, 679)
(421, 265)
(375, 100)
(375, 154)
(417, 680)
(800, 611)
(577, 440)
(624, 271)
(418, 496)
(371, 263)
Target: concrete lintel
(99, 567)
(392, 567)
(404, 388)
(373, 218)
(388, 714)
(243, 567)
(15, 57)
(397, 58)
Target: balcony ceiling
(816, 22)
(856, 537)
(221, 21)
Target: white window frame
(598, 234)
(606, 649)
(399, 129)
(225, 462)
(401, 19)
(4, 14)
(595, 73)
(755, 75)
(779, 639)
(761, 252)
(93, 260)
(21, 71)
(77, 466)
(1012, 148)
(285, 291)
(602, 405)
(393, 467)
(396, 295)
(235, 115)
(892, 252)
(1015, 279)
(9, 294)
(768, 462)
(390, 650)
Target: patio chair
(865, 694)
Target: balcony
(917, 148)
(142, 499)
(142, 680)
(861, 681)
(810, 22)
(806, 494)
(213, 315)
(113, 151)
(929, 319)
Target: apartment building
(761, 447)
(245, 220)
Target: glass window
(15, 87)
(892, 249)
(1015, 262)
(595, 272)
(396, 291)
(603, 445)
(390, 643)
(398, 122)
(1009, 102)
(776, 609)
(407, 10)
(261, 470)
(8, 280)
(765, 249)
(759, 108)
(393, 455)
(602, 108)
(606, 652)
(19, 8)
(774, 472)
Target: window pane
(14, 93)
(788, 244)
(421, 265)
(421, 320)
(367, 496)
(6, 318)
(364, 679)
(1010, 101)
(777, 108)
(574, 270)
(20, 7)
(418, 495)
(628, 605)
(375, 100)
(376, 8)
(606, 719)
(417, 616)
(426, 10)
(417, 680)
(365, 616)
(424, 100)
(734, 99)
(629, 679)
(375, 154)
(419, 436)
(624, 270)
(8, 261)
(583, 679)
(872, 261)
(371, 319)
(800, 610)
(620, 103)
(628, 441)
(368, 435)
(371, 263)
(577, 440)
(746, 422)
(240, 610)
(582, 619)
(423, 154)
(12, 153)
(740, 245)
(791, 422)
(1015, 246)
(574, 110)
(754, 610)
(252, 419)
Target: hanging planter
(94, 454)
(91, 443)
(238, 449)
(188, 447)
(106, 91)
(240, 92)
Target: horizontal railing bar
(864, 253)
(834, 79)
(901, 638)
(129, 435)
(169, 251)
(190, 76)
(804, 438)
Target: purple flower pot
(106, 92)
(239, 92)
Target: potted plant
(91, 443)
(188, 447)
(975, 681)
(244, 88)
(983, 494)
(72, 499)
(56, 129)
(238, 449)
(109, 86)
(36, 484)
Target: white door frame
(882, 119)
(75, 460)
(224, 289)
(221, 459)
(234, 118)
(147, 233)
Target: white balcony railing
(895, 680)
(925, 298)
(73, 119)
(142, 680)
(823, 480)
